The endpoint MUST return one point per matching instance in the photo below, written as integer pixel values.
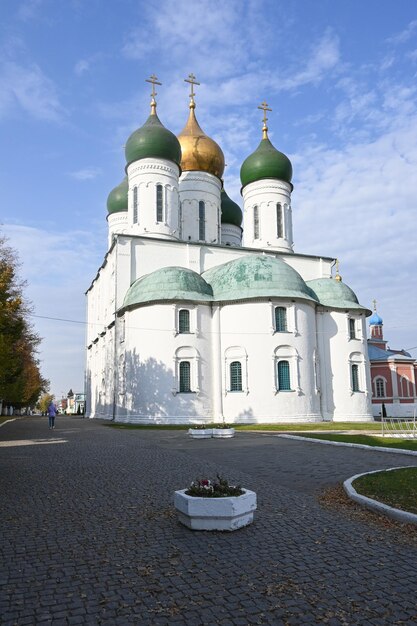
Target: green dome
(257, 276)
(334, 294)
(153, 140)
(168, 283)
(265, 162)
(231, 212)
(117, 199)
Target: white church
(193, 319)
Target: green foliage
(44, 401)
(20, 378)
(220, 488)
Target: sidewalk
(89, 536)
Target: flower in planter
(220, 488)
(223, 425)
(199, 426)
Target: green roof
(117, 199)
(168, 283)
(256, 276)
(265, 162)
(153, 140)
(335, 294)
(231, 212)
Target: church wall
(265, 195)
(338, 353)
(153, 350)
(247, 335)
(145, 175)
(152, 255)
(231, 235)
(196, 187)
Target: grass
(396, 488)
(367, 440)
(332, 426)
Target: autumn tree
(20, 379)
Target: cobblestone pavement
(89, 536)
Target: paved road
(88, 534)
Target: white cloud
(88, 173)
(358, 203)
(323, 57)
(28, 87)
(82, 66)
(28, 9)
(405, 34)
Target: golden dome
(199, 152)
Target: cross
(191, 79)
(153, 79)
(374, 303)
(264, 108)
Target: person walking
(52, 411)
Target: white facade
(258, 345)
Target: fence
(401, 427)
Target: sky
(340, 78)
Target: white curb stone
(397, 514)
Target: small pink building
(393, 375)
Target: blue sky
(339, 76)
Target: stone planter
(228, 513)
(223, 433)
(200, 433)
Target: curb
(349, 445)
(375, 505)
(7, 421)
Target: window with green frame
(280, 319)
(135, 205)
(201, 221)
(283, 375)
(352, 328)
(355, 377)
(185, 377)
(159, 204)
(255, 222)
(236, 376)
(184, 321)
(279, 220)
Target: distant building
(393, 374)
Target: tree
(20, 378)
(44, 402)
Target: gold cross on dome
(374, 303)
(264, 107)
(191, 79)
(153, 79)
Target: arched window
(283, 375)
(380, 387)
(201, 221)
(280, 319)
(159, 204)
(352, 328)
(255, 222)
(185, 377)
(279, 220)
(355, 377)
(135, 205)
(184, 321)
(235, 376)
